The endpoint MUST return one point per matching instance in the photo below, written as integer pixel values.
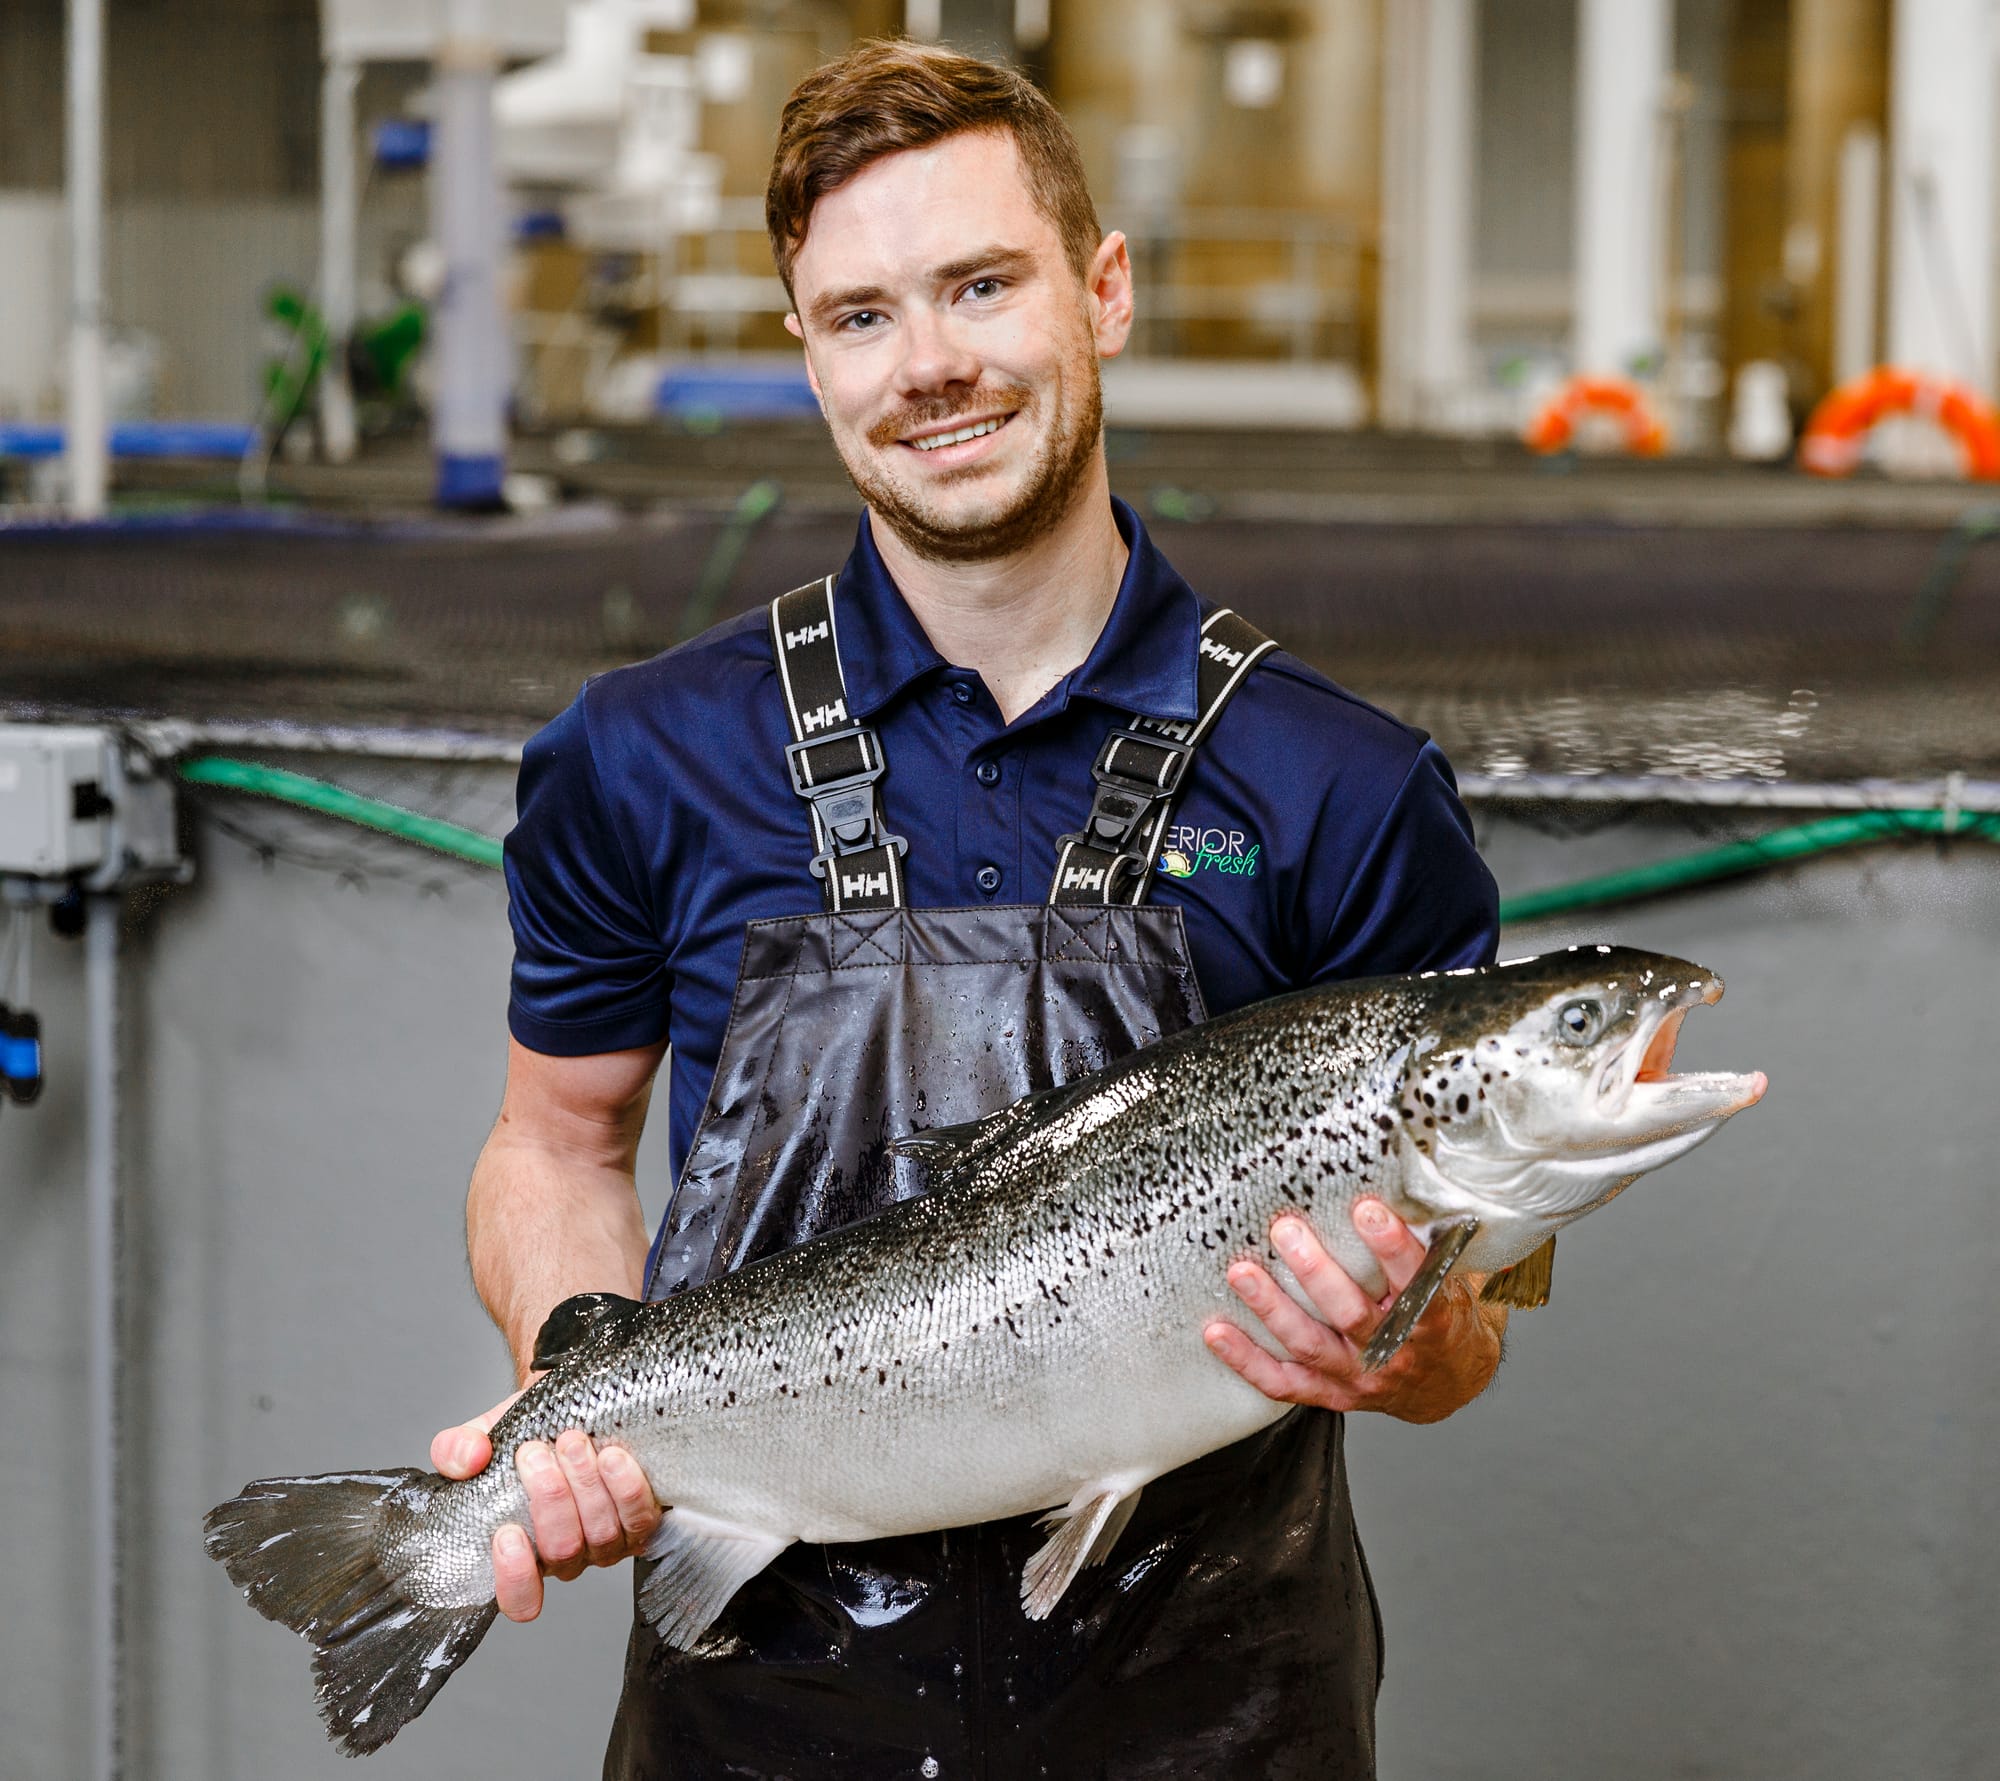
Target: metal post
(1857, 253)
(337, 223)
(86, 444)
(469, 410)
(100, 1167)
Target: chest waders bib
(1232, 1631)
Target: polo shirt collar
(1144, 659)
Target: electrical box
(54, 800)
(88, 806)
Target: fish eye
(1580, 1021)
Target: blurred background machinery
(1424, 215)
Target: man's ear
(1109, 283)
(796, 329)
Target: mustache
(936, 410)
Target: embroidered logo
(1221, 652)
(1090, 878)
(865, 884)
(806, 634)
(1189, 849)
(825, 717)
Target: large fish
(1028, 1333)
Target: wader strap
(834, 763)
(1139, 773)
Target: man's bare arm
(554, 1210)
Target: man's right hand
(589, 1505)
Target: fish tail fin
(305, 1553)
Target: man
(998, 616)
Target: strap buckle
(846, 806)
(1126, 801)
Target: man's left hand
(1448, 1360)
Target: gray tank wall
(1725, 1512)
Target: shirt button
(989, 879)
(961, 692)
(987, 773)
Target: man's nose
(935, 354)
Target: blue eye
(1579, 1022)
(860, 320)
(984, 287)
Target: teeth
(975, 431)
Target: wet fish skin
(1027, 1335)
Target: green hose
(337, 801)
(1779, 847)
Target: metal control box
(54, 799)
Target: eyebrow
(984, 259)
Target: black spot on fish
(1464, 1104)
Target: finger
(1391, 1242)
(558, 1531)
(638, 1508)
(1286, 1381)
(464, 1450)
(1297, 1331)
(603, 1532)
(517, 1578)
(1324, 1281)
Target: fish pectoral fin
(701, 1562)
(1448, 1243)
(1084, 1535)
(580, 1320)
(1526, 1284)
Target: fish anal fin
(1448, 1243)
(1526, 1284)
(1084, 1534)
(700, 1563)
(581, 1321)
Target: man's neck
(1023, 621)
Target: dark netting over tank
(1775, 652)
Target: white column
(1623, 61)
(1941, 195)
(86, 445)
(474, 363)
(1857, 253)
(1430, 95)
(337, 224)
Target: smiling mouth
(958, 435)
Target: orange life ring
(1833, 439)
(1554, 425)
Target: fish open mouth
(1636, 1089)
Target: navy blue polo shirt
(1316, 837)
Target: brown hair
(889, 95)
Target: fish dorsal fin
(700, 1563)
(947, 1151)
(584, 1321)
(1526, 1284)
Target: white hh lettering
(1229, 658)
(825, 717)
(865, 884)
(810, 634)
(1083, 878)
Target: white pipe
(337, 225)
(1623, 58)
(1857, 264)
(86, 445)
(100, 1169)
(1954, 791)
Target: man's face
(933, 298)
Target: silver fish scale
(1032, 1326)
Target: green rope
(337, 801)
(1779, 847)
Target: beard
(932, 529)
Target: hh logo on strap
(811, 634)
(1088, 878)
(825, 717)
(1216, 652)
(865, 884)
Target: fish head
(1542, 1086)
